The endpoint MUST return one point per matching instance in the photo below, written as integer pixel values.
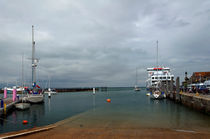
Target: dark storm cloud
(100, 43)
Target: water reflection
(37, 111)
(132, 107)
(94, 103)
(49, 104)
(14, 117)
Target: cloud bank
(83, 43)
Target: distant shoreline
(69, 89)
(81, 89)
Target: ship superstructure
(158, 74)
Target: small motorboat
(22, 106)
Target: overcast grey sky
(101, 42)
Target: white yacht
(51, 91)
(36, 96)
(136, 88)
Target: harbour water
(135, 108)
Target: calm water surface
(135, 107)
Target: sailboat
(136, 88)
(36, 96)
(22, 105)
(49, 91)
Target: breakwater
(67, 90)
(73, 89)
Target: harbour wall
(199, 102)
(194, 101)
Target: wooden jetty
(7, 104)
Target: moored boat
(136, 88)
(158, 77)
(51, 91)
(22, 106)
(35, 98)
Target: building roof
(203, 74)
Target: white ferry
(157, 75)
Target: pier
(7, 104)
(197, 101)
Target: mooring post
(5, 92)
(171, 89)
(166, 87)
(2, 103)
(161, 87)
(14, 94)
(177, 89)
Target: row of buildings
(197, 77)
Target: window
(168, 77)
(160, 77)
(155, 77)
(164, 77)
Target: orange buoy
(108, 100)
(25, 121)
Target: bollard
(2, 103)
(5, 92)
(5, 108)
(167, 90)
(196, 94)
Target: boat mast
(22, 72)
(157, 55)
(33, 61)
(22, 76)
(136, 77)
(157, 67)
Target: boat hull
(136, 89)
(158, 95)
(22, 106)
(35, 98)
